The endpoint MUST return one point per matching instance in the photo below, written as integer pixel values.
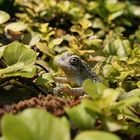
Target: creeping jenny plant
(104, 33)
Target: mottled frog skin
(76, 69)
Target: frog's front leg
(67, 89)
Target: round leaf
(93, 89)
(96, 135)
(15, 134)
(31, 38)
(17, 52)
(16, 26)
(81, 117)
(35, 124)
(4, 17)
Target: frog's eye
(74, 61)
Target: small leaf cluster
(44, 126)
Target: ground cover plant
(34, 34)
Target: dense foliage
(105, 33)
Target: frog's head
(71, 64)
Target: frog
(76, 70)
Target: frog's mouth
(65, 68)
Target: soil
(52, 104)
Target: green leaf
(132, 129)
(113, 125)
(96, 135)
(1, 50)
(81, 117)
(135, 10)
(77, 29)
(45, 78)
(98, 24)
(93, 106)
(17, 52)
(85, 23)
(13, 68)
(2, 138)
(109, 97)
(93, 89)
(138, 84)
(115, 6)
(103, 103)
(129, 106)
(55, 42)
(19, 60)
(94, 42)
(43, 48)
(16, 26)
(122, 48)
(35, 124)
(119, 47)
(31, 38)
(27, 71)
(4, 17)
(127, 102)
(109, 71)
(20, 131)
(115, 15)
